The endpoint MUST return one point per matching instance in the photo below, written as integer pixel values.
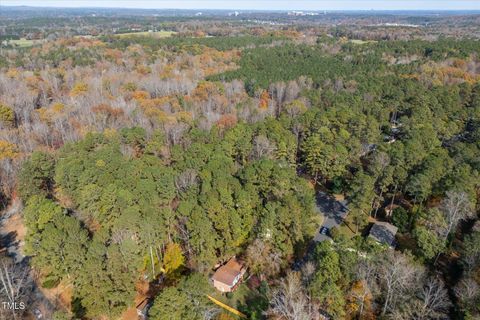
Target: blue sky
(261, 4)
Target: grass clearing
(154, 34)
(358, 41)
(23, 43)
(347, 227)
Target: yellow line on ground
(226, 307)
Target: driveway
(333, 213)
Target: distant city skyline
(258, 5)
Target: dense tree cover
(127, 210)
(36, 176)
(467, 290)
(324, 285)
(57, 241)
(187, 300)
(353, 278)
(166, 173)
(441, 49)
(260, 67)
(7, 116)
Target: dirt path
(12, 230)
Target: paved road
(333, 212)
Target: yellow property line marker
(226, 307)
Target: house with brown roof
(228, 276)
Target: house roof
(228, 272)
(384, 232)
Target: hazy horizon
(346, 5)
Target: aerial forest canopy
(144, 164)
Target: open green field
(23, 43)
(156, 34)
(358, 41)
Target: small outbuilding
(390, 208)
(383, 232)
(226, 278)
